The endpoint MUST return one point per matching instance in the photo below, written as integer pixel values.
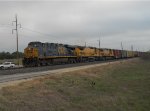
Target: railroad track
(25, 73)
(45, 68)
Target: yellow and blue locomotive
(38, 54)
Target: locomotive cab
(31, 54)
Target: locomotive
(41, 54)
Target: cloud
(76, 22)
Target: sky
(76, 22)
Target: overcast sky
(77, 22)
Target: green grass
(120, 87)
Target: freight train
(41, 54)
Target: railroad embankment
(123, 86)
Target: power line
(41, 33)
(24, 28)
(6, 25)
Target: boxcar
(117, 54)
(124, 53)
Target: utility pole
(122, 49)
(132, 49)
(85, 44)
(16, 29)
(121, 46)
(99, 43)
(99, 47)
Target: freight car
(39, 54)
(117, 54)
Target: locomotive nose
(31, 52)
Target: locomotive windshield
(35, 44)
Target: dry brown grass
(115, 87)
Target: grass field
(124, 86)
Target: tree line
(8, 55)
